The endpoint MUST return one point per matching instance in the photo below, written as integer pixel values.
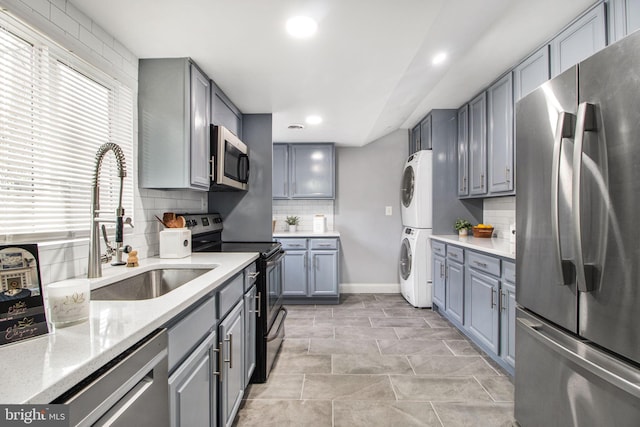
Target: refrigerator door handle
(585, 123)
(564, 129)
(624, 382)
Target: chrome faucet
(95, 259)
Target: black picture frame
(22, 310)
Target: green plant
(293, 220)
(462, 224)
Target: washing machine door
(405, 259)
(406, 189)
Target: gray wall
(247, 214)
(368, 179)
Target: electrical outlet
(203, 204)
(388, 210)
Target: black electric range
(206, 236)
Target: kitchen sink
(147, 285)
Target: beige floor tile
(433, 347)
(302, 363)
(462, 348)
(342, 321)
(285, 413)
(358, 312)
(347, 387)
(364, 332)
(411, 312)
(343, 346)
(295, 345)
(500, 388)
(438, 389)
(465, 414)
(325, 331)
(383, 414)
(411, 333)
(277, 387)
(399, 322)
(370, 364)
(461, 366)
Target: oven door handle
(276, 259)
(272, 337)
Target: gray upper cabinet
(173, 111)
(224, 112)
(500, 136)
(478, 145)
(531, 73)
(425, 133)
(414, 139)
(463, 151)
(581, 39)
(280, 180)
(624, 18)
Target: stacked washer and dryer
(416, 211)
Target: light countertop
(302, 234)
(40, 369)
(499, 247)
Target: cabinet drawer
(455, 253)
(187, 333)
(295, 244)
(509, 272)
(324, 243)
(249, 276)
(484, 263)
(230, 294)
(438, 248)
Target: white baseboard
(370, 288)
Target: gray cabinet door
(508, 323)
(481, 312)
(231, 375)
(463, 151)
(250, 313)
(623, 18)
(200, 140)
(324, 273)
(280, 176)
(192, 388)
(425, 134)
(500, 136)
(580, 40)
(531, 73)
(224, 112)
(295, 273)
(439, 284)
(478, 145)
(312, 173)
(455, 291)
(414, 140)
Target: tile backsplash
(305, 209)
(501, 213)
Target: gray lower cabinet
(478, 145)
(508, 313)
(531, 73)
(192, 387)
(311, 269)
(463, 151)
(439, 281)
(482, 308)
(623, 18)
(455, 291)
(250, 312)
(231, 333)
(578, 41)
(174, 109)
(500, 136)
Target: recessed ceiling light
(313, 120)
(439, 58)
(301, 27)
(296, 126)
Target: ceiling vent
(297, 126)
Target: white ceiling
(367, 71)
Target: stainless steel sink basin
(147, 285)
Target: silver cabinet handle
(297, 245)
(325, 245)
(480, 264)
(258, 303)
(453, 255)
(254, 274)
(219, 371)
(493, 303)
(230, 341)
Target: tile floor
(373, 360)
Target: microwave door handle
(564, 129)
(244, 178)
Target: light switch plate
(388, 210)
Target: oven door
(230, 160)
(273, 287)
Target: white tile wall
(68, 26)
(501, 213)
(305, 209)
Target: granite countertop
(283, 234)
(494, 246)
(40, 369)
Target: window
(55, 112)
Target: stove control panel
(203, 223)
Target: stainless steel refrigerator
(578, 246)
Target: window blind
(55, 112)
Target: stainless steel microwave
(229, 161)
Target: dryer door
(408, 182)
(405, 259)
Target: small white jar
(68, 301)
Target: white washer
(415, 267)
(416, 190)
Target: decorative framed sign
(22, 312)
